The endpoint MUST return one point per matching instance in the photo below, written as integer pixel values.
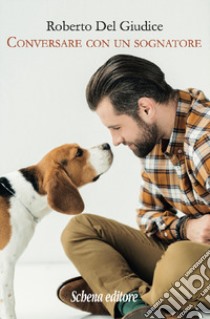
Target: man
(168, 129)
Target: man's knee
(179, 259)
(182, 255)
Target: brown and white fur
(28, 194)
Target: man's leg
(181, 280)
(110, 256)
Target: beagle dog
(28, 194)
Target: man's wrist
(179, 228)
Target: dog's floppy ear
(62, 195)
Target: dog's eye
(79, 152)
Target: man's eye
(79, 152)
(116, 128)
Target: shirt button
(180, 151)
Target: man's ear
(62, 195)
(146, 109)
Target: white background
(42, 92)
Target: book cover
(48, 52)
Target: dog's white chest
(26, 206)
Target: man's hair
(124, 79)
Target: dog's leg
(7, 300)
(8, 259)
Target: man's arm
(156, 216)
(198, 230)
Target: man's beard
(150, 138)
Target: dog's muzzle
(101, 158)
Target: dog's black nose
(106, 147)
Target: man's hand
(198, 230)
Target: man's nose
(117, 140)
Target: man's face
(139, 136)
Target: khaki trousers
(115, 258)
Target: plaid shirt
(176, 178)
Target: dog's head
(68, 167)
